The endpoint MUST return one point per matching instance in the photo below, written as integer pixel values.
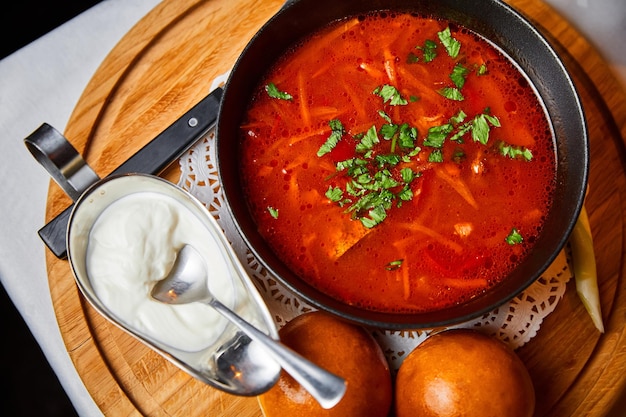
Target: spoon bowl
(187, 283)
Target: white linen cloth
(42, 82)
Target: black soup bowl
(495, 21)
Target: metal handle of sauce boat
(72, 173)
(61, 160)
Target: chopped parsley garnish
(390, 94)
(376, 216)
(457, 128)
(462, 130)
(514, 237)
(335, 136)
(371, 189)
(408, 175)
(272, 211)
(480, 127)
(334, 194)
(452, 45)
(368, 140)
(274, 92)
(406, 194)
(436, 155)
(429, 52)
(390, 160)
(393, 265)
(458, 118)
(406, 136)
(437, 135)
(515, 151)
(385, 116)
(389, 154)
(389, 130)
(451, 93)
(458, 75)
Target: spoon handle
(327, 388)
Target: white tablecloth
(42, 83)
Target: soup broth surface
(397, 162)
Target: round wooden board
(166, 64)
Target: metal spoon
(187, 283)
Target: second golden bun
(463, 373)
(342, 348)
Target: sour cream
(133, 244)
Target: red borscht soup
(398, 163)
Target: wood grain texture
(166, 64)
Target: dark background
(23, 21)
(30, 387)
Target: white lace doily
(515, 323)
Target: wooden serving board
(166, 64)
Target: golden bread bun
(345, 349)
(463, 373)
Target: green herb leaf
(364, 178)
(461, 131)
(273, 212)
(435, 156)
(390, 94)
(451, 93)
(480, 127)
(411, 154)
(458, 75)
(377, 215)
(514, 237)
(407, 136)
(390, 160)
(452, 45)
(407, 175)
(482, 70)
(437, 135)
(384, 180)
(385, 116)
(335, 136)
(343, 165)
(354, 189)
(491, 119)
(334, 194)
(458, 118)
(515, 151)
(358, 167)
(429, 52)
(393, 265)
(388, 131)
(368, 140)
(406, 194)
(274, 92)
